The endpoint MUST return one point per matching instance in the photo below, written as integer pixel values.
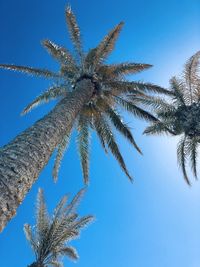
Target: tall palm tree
(181, 116)
(50, 237)
(89, 92)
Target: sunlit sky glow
(153, 222)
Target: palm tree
(181, 115)
(49, 238)
(89, 91)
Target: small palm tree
(182, 115)
(89, 92)
(49, 238)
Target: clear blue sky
(153, 222)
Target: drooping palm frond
(50, 245)
(83, 140)
(192, 146)
(52, 93)
(181, 156)
(105, 133)
(60, 154)
(30, 71)
(122, 127)
(137, 111)
(159, 128)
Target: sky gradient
(153, 222)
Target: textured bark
(22, 159)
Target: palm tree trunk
(22, 159)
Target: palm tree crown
(49, 238)
(111, 90)
(181, 115)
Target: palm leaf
(181, 156)
(192, 145)
(53, 93)
(122, 127)
(71, 208)
(178, 89)
(104, 132)
(60, 53)
(83, 140)
(70, 252)
(42, 217)
(101, 52)
(60, 154)
(122, 87)
(137, 111)
(159, 127)
(74, 31)
(30, 71)
(191, 75)
(126, 68)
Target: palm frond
(126, 68)
(122, 127)
(42, 217)
(56, 263)
(74, 31)
(122, 87)
(191, 146)
(150, 101)
(29, 236)
(30, 71)
(60, 53)
(178, 89)
(106, 46)
(60, 154)
(71, 208)
(70, 252)
(181, 156)
(53, 93)
(191, 75)
(104, 132)
(159, 127)
(83, 140)
(137, 111)
(83, 222)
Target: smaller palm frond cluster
(49, 238)
(111, 92)
(182, 115)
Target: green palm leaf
(60, 154)
(74, 31)
(181, 155)
(122, 127)
(60, 53)
(30, 71)
(52, 93)
(137, 111)
(105, 133)
(83, 140)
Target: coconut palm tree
(89, 92)
(181, 116)
(50, 237)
